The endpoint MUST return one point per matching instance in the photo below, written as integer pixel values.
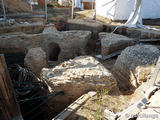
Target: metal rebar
(72, 9)
(35, 94)
(35, 98)
(4, 11)
(27, 88)
(31, 5)
(56, 94)
(46, 9)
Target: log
(11, 109)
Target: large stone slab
(135, 65)
(111, 43)
(87, 25)
(76, 77)
(90, 25)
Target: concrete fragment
(135, 65)
(111, 43)
(35, 59)
(77, 76)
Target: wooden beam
(155, 73)
(8, 97)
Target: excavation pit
(77, 38)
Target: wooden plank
(4, 113)
(7, 92)
(155, 73)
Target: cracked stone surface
(78, 76)
(135, 65)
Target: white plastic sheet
(121, 9)
(135, 19)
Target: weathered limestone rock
(50, 28)
(77, 76)
(111, 43)
(87, 25)
(90, 25)
(70, 43)
(35, 60)
(135, 65)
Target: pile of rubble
(133, 68)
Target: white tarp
(135, 18)
(121, 9)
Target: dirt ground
(94, 108)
